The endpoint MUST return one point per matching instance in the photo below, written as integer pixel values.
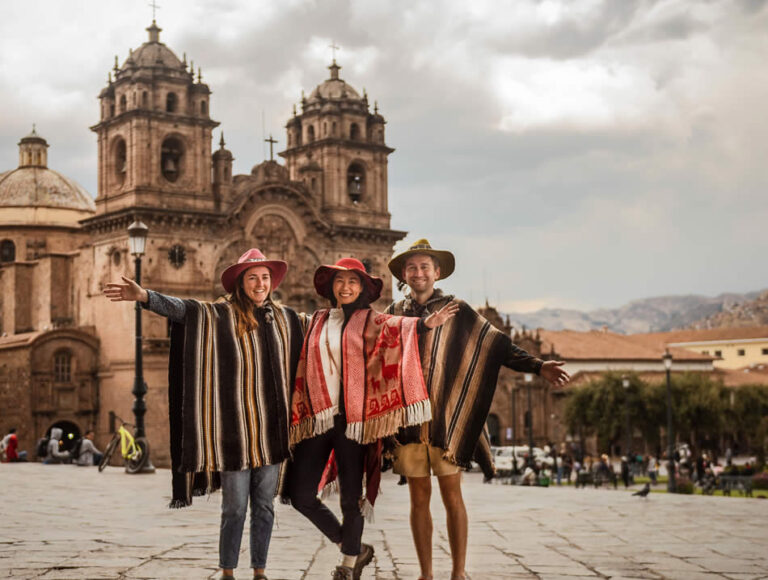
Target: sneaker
(363, 559)
(342, 573)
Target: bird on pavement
(645, 491)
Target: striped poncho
(229, 395)
(461, 362)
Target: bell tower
(336, 148)
(154, 133)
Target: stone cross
(271, 142)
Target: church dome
(153, 53)
(334, 89)
(42, 187)
(32, 187)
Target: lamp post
(137, 241)
(528, 380)
(671, 483)
(628, 436)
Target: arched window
(121, 161)
(494, 429)
(62, 366)
(145, 100)
(313, 184)
(112, 110)
(171, 103)
(123, 104)
(333, 128)
(203, 108)
(356, 182)
(310, 134)
(298, 137)
(354, 132)
(325, 128)
(171, 158)
(7, 251)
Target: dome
(334, 88)
(42, 187)
(153, 53)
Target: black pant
(309, 459)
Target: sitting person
(88, 454)
(53, 451)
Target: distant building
(66, 353)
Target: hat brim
(444, 257)
(324, 275)
(277, 268)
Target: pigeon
(645, 491)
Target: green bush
(760, 481)
(684, 485)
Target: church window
(203, 108)
(313, 184)
(7, 251)
(112, 110)
(171, 103)
(310, 134)
(123, 103)
(121, 161)
(145, 100)
(116, 258)
(325, 129)
(333, 128)
(356, 182)
(172, 153)
(62, 367)
(354, 132)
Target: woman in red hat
(359, 379)
(232, 368)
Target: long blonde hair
(245, 321)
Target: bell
(170, 165)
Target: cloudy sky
(572, 153)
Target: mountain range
(657, 314)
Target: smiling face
(347, 286)
(420, 273)
(257, 282)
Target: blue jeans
(259, 484)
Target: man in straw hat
(461, 362)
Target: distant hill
(656, 314)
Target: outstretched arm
(168, 306)
(551, 371)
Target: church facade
(66, 353)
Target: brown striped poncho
(229, 395)
(461, 362)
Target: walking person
(358, 380)
(464, 356)
(232, 367)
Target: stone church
(66, 353)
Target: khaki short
(422, 460)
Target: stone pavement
(62, 521)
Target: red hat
(324, 275)
(251, 258)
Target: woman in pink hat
(359, 379)
(232, 368)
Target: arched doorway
(70, 433)
(493, 429)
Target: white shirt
(330, 355)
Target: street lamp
(137, 241)
(625, 384)
(528, 377)
(671, 484)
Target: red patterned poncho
(383, 386)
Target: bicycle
(134, 451)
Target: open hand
(551, 371)
(129, 290)
(442, 316)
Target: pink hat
(324, 275)
(251, 258)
